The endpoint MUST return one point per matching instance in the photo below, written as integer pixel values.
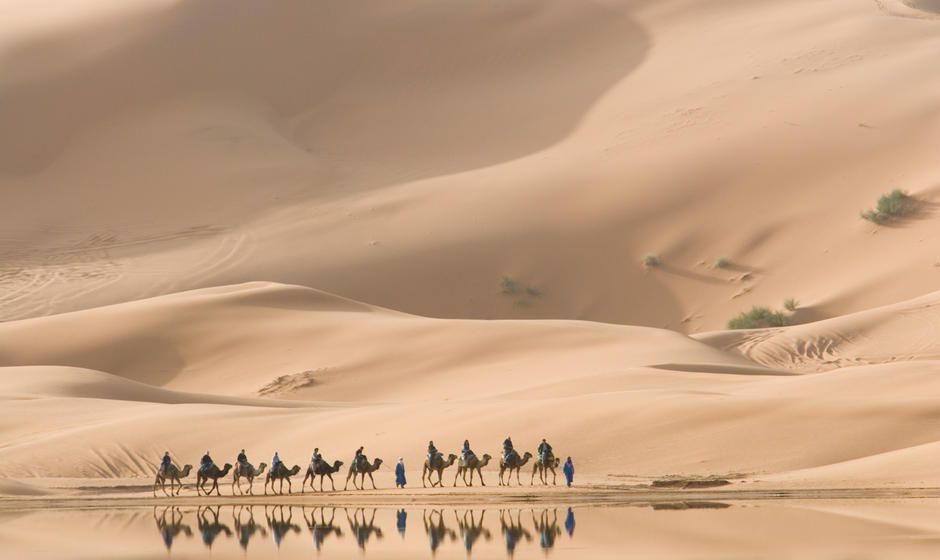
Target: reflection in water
(320, 529)
(280, 523)
(209, 525)
(172, 527)
(401, 521)
(468, 527)
(513, 530)
(246, 528)
(362, 529)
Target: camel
(280, 474)
(513, 463)
(471, 465)
(438, 467)
(248, 471)
(174, 474)
(362, 469)
(323, 470)
(541, 467)
(214, 473)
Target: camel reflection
(474, 527)
(362, 529)
(279, 523)
(321, 529)
(437, 531)
(245, 529)
(548, 530)
(172, 527)
(513, 531)
(209, 526)
(471, 529)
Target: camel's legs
(373, 486)
(519, 482)
(535, 468)
(480, 472)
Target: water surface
(857, 529)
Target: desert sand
(294, 224)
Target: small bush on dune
(722, 262)
(759, 318)
(509, 285)
(791, 304)
(890, 206)
(650, 260)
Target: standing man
(568, 469)
(400, 473)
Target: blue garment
(165, 462)
(401, 521)
(400, 475)
(568, 469)
(569, 522)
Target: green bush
(791, 304)
(722, 262)
(759, 318)
(651, 260)
(510, 286)
(895, 204)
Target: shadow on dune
(425, 86)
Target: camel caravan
(467, 462)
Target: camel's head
(377, 463)
(262, 465)
(486, 458)
(527, 456)
(226, 468)
(185, 471)
(337, 465)
(294, 470)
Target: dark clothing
(400, 475)
(545, 451)
(401, 521)
(205, 462)
(569, 522)
(568, 469)
(242, 458)
(165, 463)
(432, 453)
(507, 448)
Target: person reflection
(471, 529)
(321, 529)
(437, 531)
(513, 531)
(246, 529)
(209, 525)
(279, 524)
(401, 521)
(548, 530)
(362, 529)
(172, 527)
(569, 523)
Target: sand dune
(329, 144)
(395, 381)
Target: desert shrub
(893, 205)
(722, 262)
(509, 285)
(758, 318)
(651, 260)
(790, 304)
